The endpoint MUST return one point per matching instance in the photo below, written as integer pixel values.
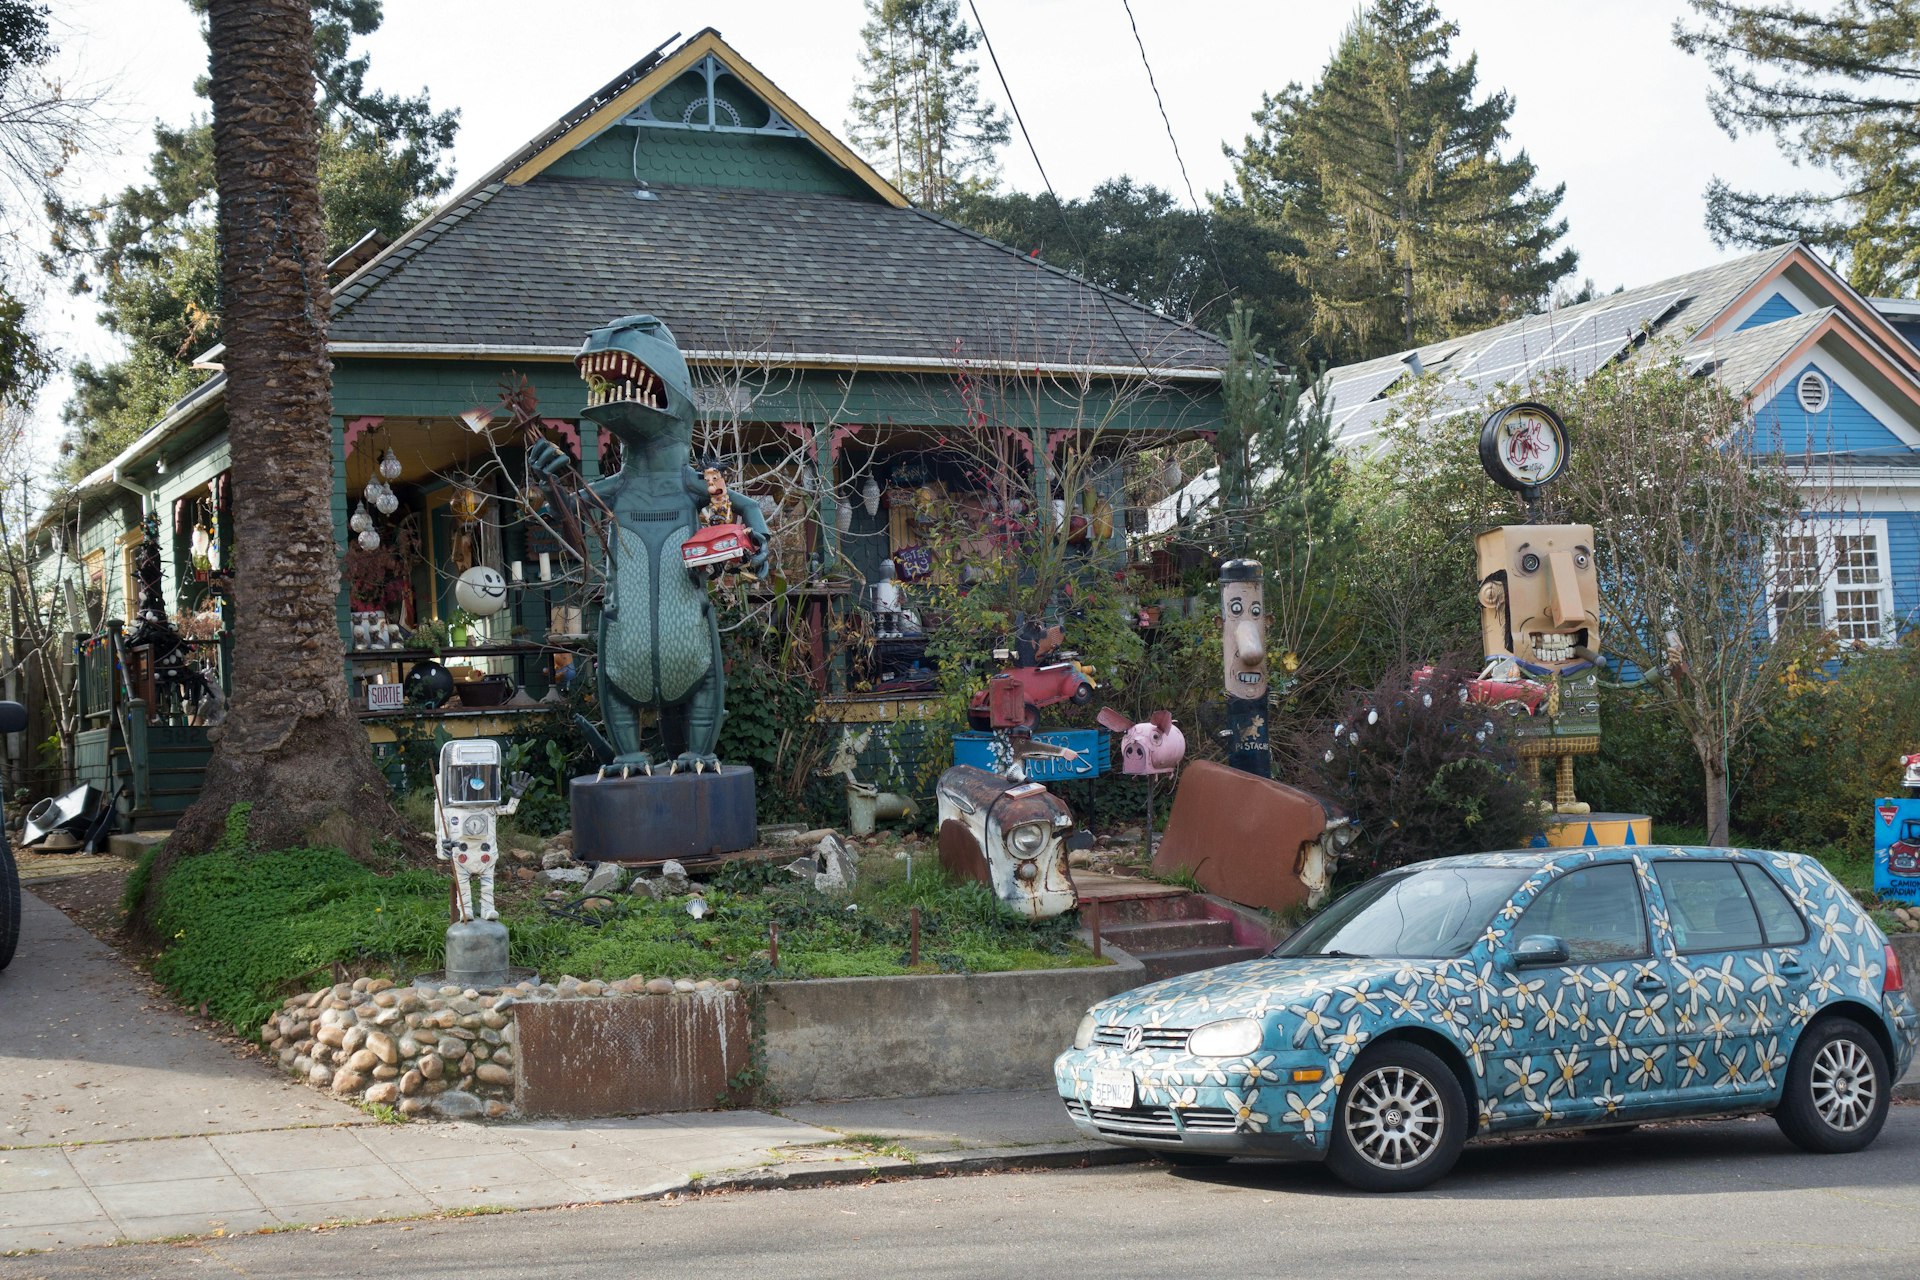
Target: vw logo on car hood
(1132, 1042)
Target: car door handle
(1650, 984)
(1795, 970)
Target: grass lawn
(245, 928)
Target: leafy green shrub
(243, 928)
(1646, 764)
(1829, 749)
(1421, 773)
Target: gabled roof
(1696, 312)
(526, 261)
(795, 278)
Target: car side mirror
(1540, 949)
(13, 717)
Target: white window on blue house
(1834, 576)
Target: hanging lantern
(369, 540)
(360, 522)
(843, 517)
(388, 502)
(870, 495)
(389, 465)
(372, 492)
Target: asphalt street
(1701, 1200)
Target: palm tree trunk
(290, 745)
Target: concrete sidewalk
(99, 1193)
(122, 1119)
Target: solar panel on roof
(1606, 336)
(1366, 421)
(1515, 350)
(1351, 393)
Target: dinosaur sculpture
(659, 643)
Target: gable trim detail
(1857, 309)
(686, 58)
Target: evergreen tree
(150, 250)
(1412, 224)
(918, 110)
(1134, 238)
(1834, 85)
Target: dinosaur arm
(747, 511)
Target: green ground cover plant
(242, 928)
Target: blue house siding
(1775, 308)
(1845, 426)
(1903, 560)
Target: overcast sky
(1604, 102)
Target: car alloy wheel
(1400, 1121)
(1836, 1096)
(1845, 1087)
(1394, 1117)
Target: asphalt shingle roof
(780, 274)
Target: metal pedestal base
(689, 816)
(477, 954)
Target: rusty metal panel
(633, 1056)
(1243, 837)
(960, 855)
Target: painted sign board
(1896, 849)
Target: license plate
(1112, 1088)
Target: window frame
(1826, 587)
(1567, 873)
(1742, 866)
(1734, 864)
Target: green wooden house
(840, 337)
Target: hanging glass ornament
(388, 502)
(870, 495)
(360, 522)
(369, 540)
(389, 465)
(372, 492)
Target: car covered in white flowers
(1536, 989)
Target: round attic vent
(1812, 391)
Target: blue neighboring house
(1824, 370)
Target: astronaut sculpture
(466, 811)
(659, 643)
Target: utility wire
(1060, 207)
(1206, 223)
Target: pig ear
(1161, 720)
(1112, 720)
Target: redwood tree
(290, 745)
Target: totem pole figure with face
(1540, 627)
(1244, 645)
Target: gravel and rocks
(429, 1050)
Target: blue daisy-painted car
(1535, 989)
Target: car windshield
(1429, 913)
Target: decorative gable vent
(1813, 392)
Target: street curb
(800, 1176)
(1907, 1090)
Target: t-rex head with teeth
(637, 382)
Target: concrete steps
(1169, 930)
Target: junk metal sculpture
(1244, 650)
(659, 643)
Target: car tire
(1400, 1121)
(9, 903)
(1838, 1089)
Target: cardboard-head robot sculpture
(659, 642)
(1244, 665)
(1539, 606)
(466, 809)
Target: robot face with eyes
(1540, 596)
(467, 807)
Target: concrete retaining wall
(898, 1037)
(1907, 947)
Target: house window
(1835, 578)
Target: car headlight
(1229, 1039)
(1083, 1036)
(1029, 838)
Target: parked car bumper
(1227, 1107)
